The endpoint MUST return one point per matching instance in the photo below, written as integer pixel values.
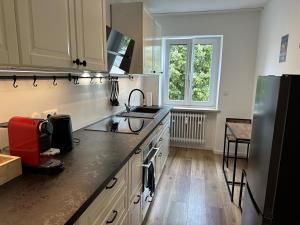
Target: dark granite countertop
(34, 199)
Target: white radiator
(188, 127)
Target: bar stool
(231, 139)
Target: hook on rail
(34, 81)
(54, 81)
(76, 80)
(14, 83)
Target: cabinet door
(8, 35)
(47, 32)
(135, 210)
(158, 164)
(135, 174)
(157, 46)
(148, 42)
(91, 33)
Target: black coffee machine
(62, 137)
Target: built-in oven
(149, 155)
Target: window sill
(194, 109)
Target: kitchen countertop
(34, 199)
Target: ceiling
(175, 6)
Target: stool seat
(231, 138)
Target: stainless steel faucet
(128, 107)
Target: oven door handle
(148, 165)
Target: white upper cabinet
(157, 48)
(9, 54)
(91, 33)
(55, 33)
(47, 33)
(148, 42)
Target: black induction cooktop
(118, 124)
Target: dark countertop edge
(94, 195)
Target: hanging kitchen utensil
(114, 92)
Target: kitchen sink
(141, 112)
(145, 110)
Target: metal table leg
(234, 170)
(225, 134)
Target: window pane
(202, 72)
(177, 71)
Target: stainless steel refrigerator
(272, 192)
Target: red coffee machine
(28, 138)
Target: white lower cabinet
(135, 174)
(117, 212)
(111, 204)
(163, 146)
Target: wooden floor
(192, 191)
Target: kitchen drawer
(164, 136)
(135, 209)
(135, 174)
(148, 140)
(163, 125)
(101, 204)
(125, 221)
(116, 213)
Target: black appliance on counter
(62, 137)
(271, 193)
(119, 51)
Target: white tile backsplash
(85, 103)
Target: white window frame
(217, 42)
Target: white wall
(240, 30)
(278, 19)
(85, 103)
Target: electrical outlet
(49, 111)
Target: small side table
(242, 134)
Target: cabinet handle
(76, 61)
(84, 63)
(139, 199)
(154, 71)
(113, 184)
(138, 151)
(146, 199)
(115, 212)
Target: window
(192, 68)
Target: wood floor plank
(177, 213)
(185, 167)
(215, 216)
(197, 170)
(162, 200)
(196, 214)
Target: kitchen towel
(151, 179)
(149, 98)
